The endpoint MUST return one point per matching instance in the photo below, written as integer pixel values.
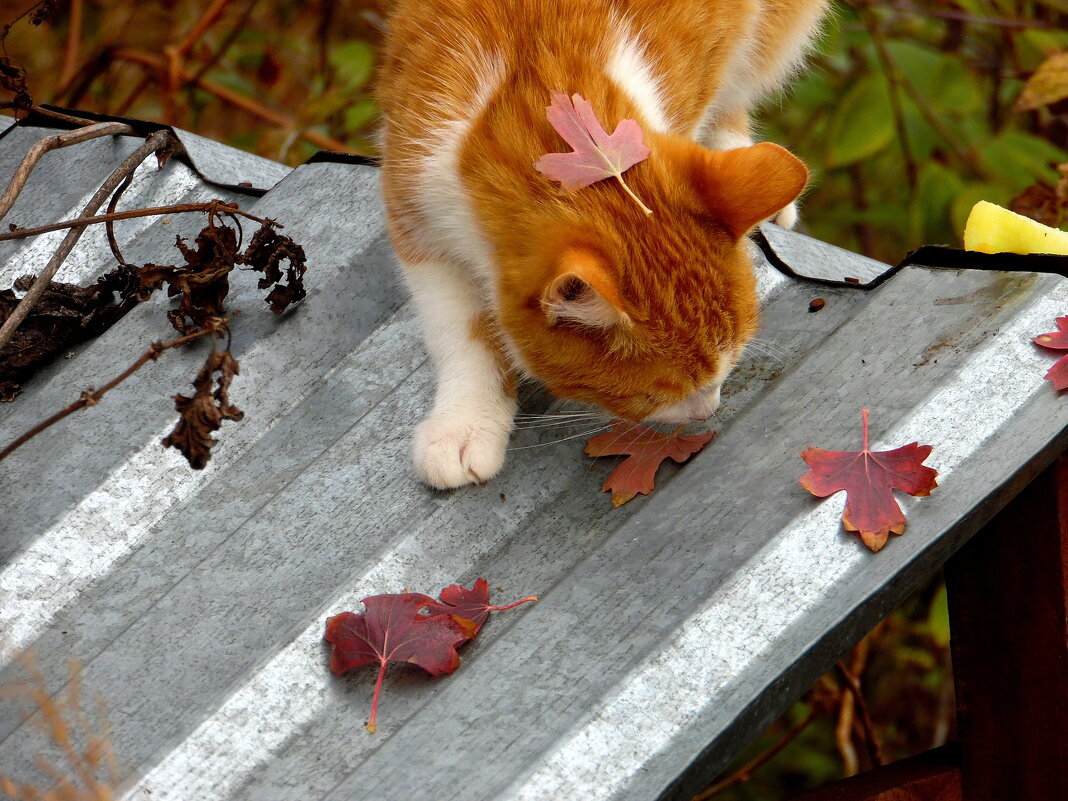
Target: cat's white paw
(787, 218)
(452, 451)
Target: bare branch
(70, 54)
(91, 397)
(59, 115)
(54, 142)
(160, 140)
(212, 206)
(874, 752)
(747, 770)
(254, 107)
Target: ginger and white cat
(641, 315)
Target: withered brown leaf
(65, 315)
(202, 282)
(1044, 203)
(13, 79)
(265, 254)
(204, 413)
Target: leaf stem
(630, 192)
(374, 701)
(864, 414)
(517, 603)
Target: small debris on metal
(816, 304)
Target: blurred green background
(908, 113)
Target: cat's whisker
(770, 347)
(764, 349)
(592, 417)
(563, 439)
(768, 342)
(559, 416)
(555, 424)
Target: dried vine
(51, 316)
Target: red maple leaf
(472, 604)
(869, 478)
(596, 155)
(412, 628)
(1058, 340)
(646, 449)
(393, 630)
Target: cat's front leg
(464, 437)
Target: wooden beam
(931, 776)
(1008, 603)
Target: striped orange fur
(641, 315)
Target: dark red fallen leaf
(412, 628)
(472, 604)
(645, 449)
(869, 478)
(393, 630)
(1058, 340)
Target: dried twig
(851, 683)
(744, 773)
(254, 107)
(70, 55)
(964, 16)
(212, 207)
(929, 114)
(91, 397)
(159, 141)
(875, 30)
(239, 26)
(207, 20)
(175, 55)
(68, 118)
(109, 225)
(85, 746)
(843, 734)
(54, 142)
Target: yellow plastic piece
(992, 229)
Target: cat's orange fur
(642, 315)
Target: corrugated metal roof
(669, 631)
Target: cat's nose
(703, 405)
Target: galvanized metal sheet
(669, 631)
(228, 166)
(810, 258)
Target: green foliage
(906, 118)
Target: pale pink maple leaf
(596, 155)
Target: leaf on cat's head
(597, 155)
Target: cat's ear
(745, 186)
(584, 290)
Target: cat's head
(646, 315)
